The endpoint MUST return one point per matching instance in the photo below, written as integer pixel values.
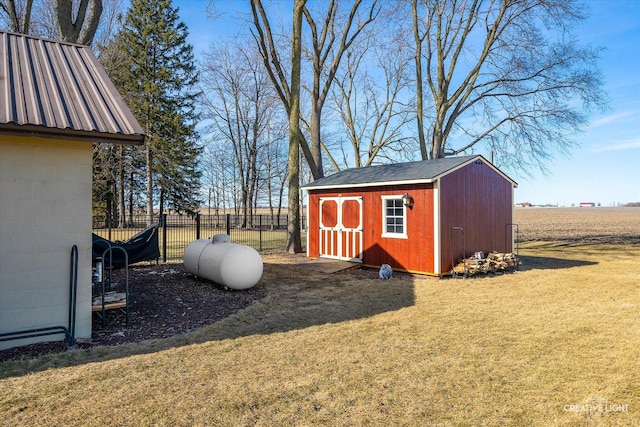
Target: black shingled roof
(395, 173)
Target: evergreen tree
(160, 87)
(118, 178)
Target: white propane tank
(221, 238)
(228, 264)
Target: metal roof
(60, 90)
(424, 171)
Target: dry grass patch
(552, 345)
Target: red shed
(414, 216)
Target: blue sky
(605, 167)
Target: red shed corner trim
(426, 180)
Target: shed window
(394, 218)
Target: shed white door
(341, 228)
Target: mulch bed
(165, 300)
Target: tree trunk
(439, 137)
(149, 184)
(246, 201)
(121, 187)
(294, 240)
(419, 97)
(18, 24)
(131, 193)
(88, 30)
(83, 28)
(316, 151)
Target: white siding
(45, 209)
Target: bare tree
(217, 175)
(372, 100)
(18, 15)
(241, 102)
(329, 43)
(294, 238)
(494, 74)
(44, 21)
(273, 161)
(331, 36)
(110, 23)
(68, 20)
(77, 25)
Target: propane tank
(228, 264)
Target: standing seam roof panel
(57, 109)
(5, 101)
(32, 71)
(23, 76)
(45, 86)
(102, 94)
(84, 96)
(117, 108)
(60, 86)
(70, 89)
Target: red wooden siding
(414, 253)
(475, 197)
(313, 224)
(479, 200)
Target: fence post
(229, 224)
(164, 237)
(197, 226)
(260, 230)
(108, 221)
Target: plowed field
(579, 225)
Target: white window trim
(385, 234)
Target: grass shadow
(322, 299)
(530, 262)
(295, 299)
(570, 255)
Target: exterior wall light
(407, 200)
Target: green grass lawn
(554, 344)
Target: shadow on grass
(322, 299)
(295, 299)
(571, 253)
(548, 263)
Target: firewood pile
(492, 263)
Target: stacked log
(503, 261)
(494, 262)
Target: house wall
(45, 209)
(479, 200)
(414, 253)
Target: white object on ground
(228, 264)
